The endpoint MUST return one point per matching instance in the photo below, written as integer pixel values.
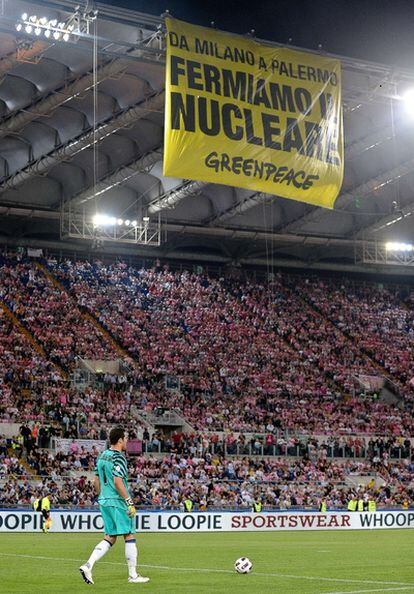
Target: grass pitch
(284, 563)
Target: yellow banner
(245, 114)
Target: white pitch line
(254, 573)
(376, 590)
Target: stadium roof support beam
(63, 95)
(136, 18)
(254, 235)
(347, 198)
(369, 142)
(23, 52)
(172, 198)
(386, 221)
(122, 175)
(238, 208)
(108, 12)
(223, 232)
(127, 118)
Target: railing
(296, 451)
(301, 449)
(228, 480)
(178, 508)
(165, 417)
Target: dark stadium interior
(47, 157)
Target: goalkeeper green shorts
(116, 521)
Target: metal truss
(79, 225)
(377, 253)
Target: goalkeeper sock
(98, 552)
(131, 555)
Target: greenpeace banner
(91, 521)
(253, 116)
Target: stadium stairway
(374, 480)
(381, 369)
(31, 474)
(36, 345)
(336, 387)
(86, 315)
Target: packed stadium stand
(264, 369)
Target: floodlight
(145, 219)
(408, 99)
(120, 221)
(134, 223)
(398, 247)
(58, 30)
(102, 220)
(127, 222)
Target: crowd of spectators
(10, 464)
(275, 360)
(51, 315)
(214, 481)
(62, 411)
(67, 491)
(247, 355)
(379, 319)
(25, 373)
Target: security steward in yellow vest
(322, 506)
(360, 505)
(43, 505)
(188, 505)
(352, 505)
(257, 507)
(372, 506)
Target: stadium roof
(51, 122)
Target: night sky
(380, 30)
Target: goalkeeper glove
(131, 508)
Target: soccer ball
(243, 565)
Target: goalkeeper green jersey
(110, 464)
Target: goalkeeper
(117, 508)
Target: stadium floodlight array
(102, 220)
(399, 247)
(51, 29)
(130, 227)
